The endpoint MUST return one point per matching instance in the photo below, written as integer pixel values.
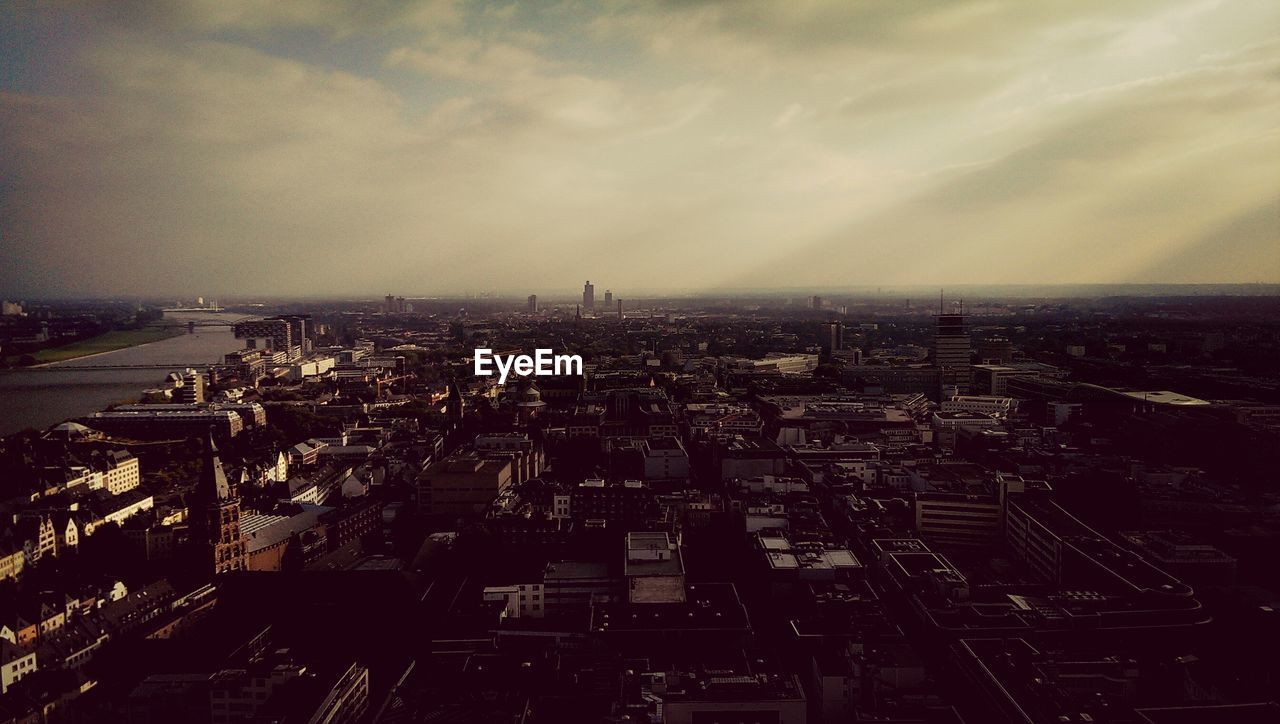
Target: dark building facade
(215, 518)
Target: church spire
(215, 517)
(213, 480)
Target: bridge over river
(36, 397)
(192, 324)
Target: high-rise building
(273, 334)
(533, 304)
(389, 304)
(588, 297)
(951, 352)
(215, 517)
(192, 390)
(291, 333)
(834, 336)
(608, 299)
(815, 302)
(301, 331)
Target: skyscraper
(588, 297)
(834, 336)
(301, 331)
(532, 307)
(951, 351)
(608, 299)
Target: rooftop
(571, 570)
(1164, 397)
(1124, 565)
(708, 606)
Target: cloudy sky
(324, 147)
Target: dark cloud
(236, 146)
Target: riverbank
(38, 398)
(116, 339)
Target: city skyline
(667, 361)
(440, 147)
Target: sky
(317, 147)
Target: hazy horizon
(922, 297)
(327, 149)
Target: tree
(297, 422)
(827, 370)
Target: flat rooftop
(899, 545)
(652, 554)
(1164, 397)
(575, 570)
(708, 606)
(736, 687)
(1124, 564)
(914, 564)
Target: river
(42, 397)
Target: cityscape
(781, 509)
(640, 362)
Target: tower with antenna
(951, 350)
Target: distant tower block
(834, 336)
(951, 351)
(588, 297)
(608, 298)
(532, 305)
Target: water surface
(42, 397)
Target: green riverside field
(111, 341)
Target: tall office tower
(815, 302)
(389, 304)
(400, 305)
(215, 517)
(608, 299)
(588, 297)
(301, 332)
(834, 336)
(533, 304)
(951, 351)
